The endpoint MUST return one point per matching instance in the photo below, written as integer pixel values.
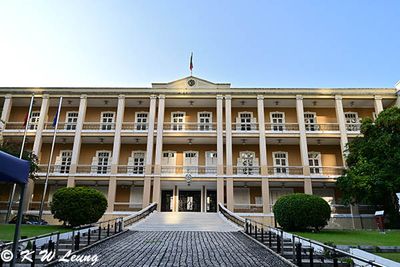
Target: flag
(55, 119)
(191, 62)
(26, 118)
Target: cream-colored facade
(191, 143)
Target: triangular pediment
(191, 82)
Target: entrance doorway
(190, 201)
(167, 200)
(211, 201)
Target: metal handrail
(231, 216)
(139, 215)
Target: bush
(78, 205)
(299, 212)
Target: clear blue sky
(281, 43)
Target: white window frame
(59, 166)
(180, 126)
(280, 169)
(205, 126)
(277, 127)
(210, 168)
(107, 167)
(168, 168)
(70, 126)
(245, 126)
(193, 169)
(137, 168)
(248, 170)
(33, 124)
(107, 124)
(311, 127)
(315, 169)
(352, 126)
(140, 126)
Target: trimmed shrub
(78, 205)
(299, 212)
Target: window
(136, 162)
(211, 162)
(103, 162)
(245, 121)
(310, 120)
(280, 163)
(177, 121)
(168, 162)
(205, 121)
(63, 162)
(71, 120)
(314, 160)
(352, 121)
(107, 121)
(277, 121)
(247, 163)
(191, 159)
(34, 120)
(141, 121)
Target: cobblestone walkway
(181, 248)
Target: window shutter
(57, 165)
(253, 123)
(95, 163)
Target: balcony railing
(190, 126)
(131, 170)
(127, 206)
(248, 208)
(94, 169)
(135, 126)
(322, 127)
(245, 127)
(99, 126)
(54, 169)
(246, 170)
(18, 126)
(62, 126)
(281, 127)
(194, 170)
(353, 127)
(285, 170)
(326, 171)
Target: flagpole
(10, 201)
(50, 159)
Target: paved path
(185, 221)
(181, 248)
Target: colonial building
(190, 143)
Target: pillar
(229, 162)
(263, 155)
(159, 148)
(37, 146)
(398, 94)
(378, 105)
(5, 114)
(303, 144)
(76, 148)
(149, 151)
(342, 126)
(220, 150)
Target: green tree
(14, 149)
(373, 160)
(78, 205)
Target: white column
(159, 148)
(263, 154)
(398, 94)
(37, 146)
(220, 150)
(76, 148)
(342, 126)
(378, 104)
(303, 144)
(149, 151)
(117, 136)
(5, 114)
(229, 162)
(112, 185)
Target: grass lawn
(394, 256)
(7, 230)
(356, 237)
